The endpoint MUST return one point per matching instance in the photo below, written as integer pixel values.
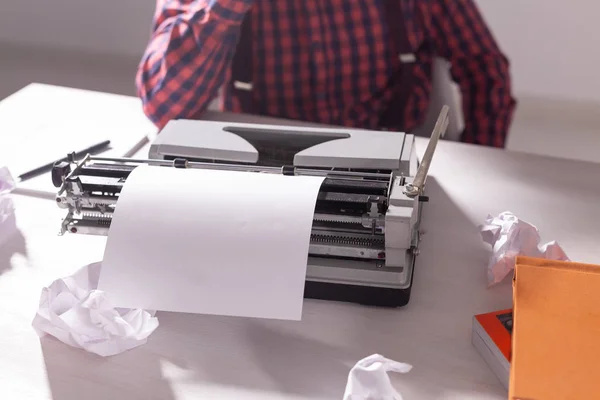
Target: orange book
(556, 330)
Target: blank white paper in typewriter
(210, 242)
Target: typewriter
(365, 230)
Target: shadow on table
(75, 374)
(212, 352)
(12, 242)
(450, 286)
(451, 246)
(310, 358)
(453, 262)
(264, 355)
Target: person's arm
(460, 35)
(191, 47)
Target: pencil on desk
(97, 148)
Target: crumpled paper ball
(8, 221)
(74, 312)
(510, 237)
(7, 183)
(369, 380)
(7, 208)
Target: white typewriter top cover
(313, 147)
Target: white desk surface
(195, 356)
(42, 123)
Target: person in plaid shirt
(354, 63)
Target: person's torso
(332, 61)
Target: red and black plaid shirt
(343, 80)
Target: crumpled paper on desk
(510, 237)
(7, 221)
(6, 208)
(7, 183)
(368, 379)
(73, 311)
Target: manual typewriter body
(365, 234)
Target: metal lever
(439, 130)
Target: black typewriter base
(365, 295)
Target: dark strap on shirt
(401, 81)
(242, 67)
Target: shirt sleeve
(190, 48)
(460, 35)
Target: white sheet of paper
(211, 242)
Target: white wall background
(119, 27)
(553, 45)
